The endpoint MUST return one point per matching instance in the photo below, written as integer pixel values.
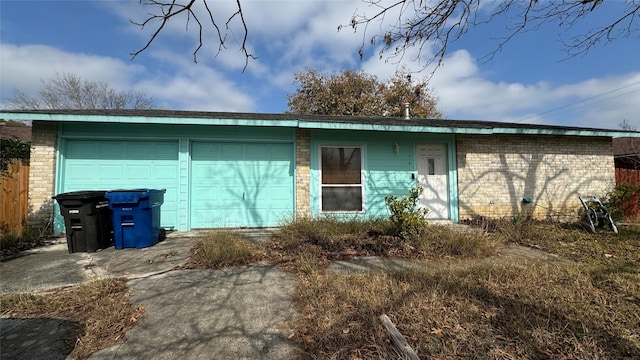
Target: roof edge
(172, 117)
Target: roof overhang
(309, 122)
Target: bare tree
(417, 23)
(69, 91)
(406, 24)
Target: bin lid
(81, 195)
(130, 196)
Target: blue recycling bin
(136, 217)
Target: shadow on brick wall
(40, 222)
(529, 193)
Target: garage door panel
(80, 150)
(113, 151)
(232, 151)
(235, 184)
(109, 173)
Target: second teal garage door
(241, 184)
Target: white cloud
(465, 92)
(24, 67)
(195, 87)
(182, 85)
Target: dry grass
(101, 308)
(223, 248)
(480, 311)
(326, 239)
(479, 307)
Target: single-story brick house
(253, 170)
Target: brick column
(303, 161)
(42, 172)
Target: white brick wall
(42, 172)
(303, 161)
(495, 172)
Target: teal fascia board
(463, 130)
(148, 120)
(390, 128)
(568, 132)
(305, 124)
(58, 220)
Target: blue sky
(530, 81)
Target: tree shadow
(537, 182)
(241, 312)
(38, 338)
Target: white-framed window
(341, 178)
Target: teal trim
(294, 166)
(461, 130)
(183, 185)
(112, 119)
(453, 179)
(306, 124)
(105, 131)
(58, 220)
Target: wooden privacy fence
(632, 176)
(14, 196)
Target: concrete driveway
(235, 313)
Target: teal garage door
(241, 184)
(111, 165)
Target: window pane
(342, 198)
(341, 165)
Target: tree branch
(171, 9)
(435, 24)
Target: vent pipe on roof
(406, 111)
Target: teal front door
(112, 165)
(241, 184)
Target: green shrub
(407, 219)
(618, 196)
(13, 241)
(12, 149)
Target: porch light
(396, 148)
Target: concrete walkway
(236, 313)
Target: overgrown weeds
(223, 248)
(328, 239)
(100, 308)
(14, 241)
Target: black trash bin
(88, 221)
